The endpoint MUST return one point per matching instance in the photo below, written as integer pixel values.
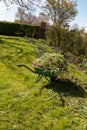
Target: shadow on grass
(65, 88)
(1, 41)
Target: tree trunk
(58, 38)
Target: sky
(80, 19)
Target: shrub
(17, 29)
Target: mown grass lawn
(27, 105)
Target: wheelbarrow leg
(39, 78)
(47, 79)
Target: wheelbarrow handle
(26, 67)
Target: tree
(23, 3)
(60, 13)
(42, 18)
(25, 16)
(20, 15)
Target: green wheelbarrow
(48, 74)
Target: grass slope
(25, 105)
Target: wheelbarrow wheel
(53, 79)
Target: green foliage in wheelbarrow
(52, 61)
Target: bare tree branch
(23, 3)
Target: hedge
(17, 29)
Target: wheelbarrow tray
(41, 72)
(44, 72)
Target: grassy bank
(25, 105)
